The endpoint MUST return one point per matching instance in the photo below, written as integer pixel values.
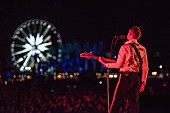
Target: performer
(129, 60)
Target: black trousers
(127, 96)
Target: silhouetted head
(134, 33)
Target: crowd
(60, 96)
(47, 97)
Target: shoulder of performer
(124, 47)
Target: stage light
(29, 77)
(154, 73)
(100, 82)
(6, 82)
(167, 74)
(115, 75)
(160, 66)
(111, 76)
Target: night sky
(91, 20)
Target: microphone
(120, 37)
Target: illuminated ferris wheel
(36, 46)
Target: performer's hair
(137, 31)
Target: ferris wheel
(36, 46)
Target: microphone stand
(108, 71)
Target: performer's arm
(115, 64)
(108, 60)
(145, 70)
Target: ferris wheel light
(27, 68)
(39, 40)
(59, 41)
(44, 24)
(19, 60)
(42, 48)
(33, 43)
(24, 26)
(47, 38)
(28, 24)
(12, 45)
(27, 46)
(31, 39)
(49, 26)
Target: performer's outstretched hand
(142, 87)
(102, 62)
